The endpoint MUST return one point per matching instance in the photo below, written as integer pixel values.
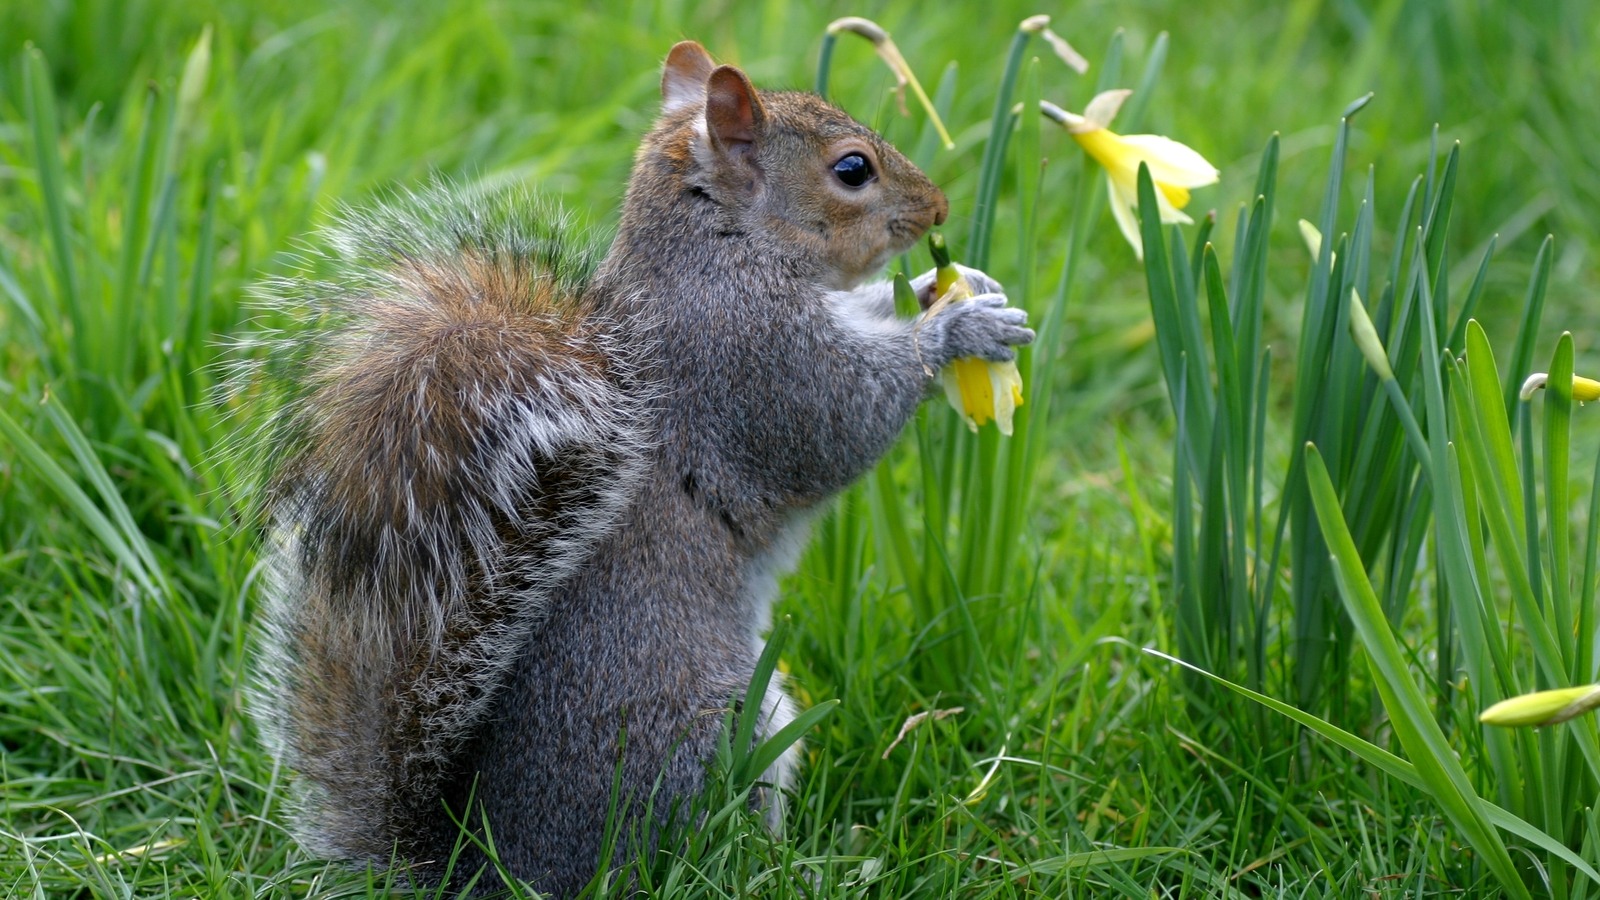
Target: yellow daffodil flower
(1543, 707)
(1174, 167)
(978, 389)
(1584, 390)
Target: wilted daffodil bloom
(1543, 707)
(978, 389)
(890, 54)
(1174, 167)
(1584, 390)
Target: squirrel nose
(941, 210)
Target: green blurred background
(123, 274)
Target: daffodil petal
(1121, 163)
(1312, 237)
(1122, 210)
(1104, 146)
(1177, 196)
(952, 393)
(1170, 215)
(977, 395)
(1170, 162)
(1006, 382)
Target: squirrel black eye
(853, 170)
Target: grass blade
(1394, 766)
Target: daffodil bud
(1543, 707)
(890, 54)
(1366, 338)
(1584, 390)
(1313, 239)
(945, 274)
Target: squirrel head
(789, 168)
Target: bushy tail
(455, 437)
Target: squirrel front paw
(982, 326)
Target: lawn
(1435, 552)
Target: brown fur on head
(772, 161)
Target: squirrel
(527, 507)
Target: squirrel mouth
(907, 230)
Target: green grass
(156, 159)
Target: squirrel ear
(683, 78)
(733, 111)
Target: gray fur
(519, 548)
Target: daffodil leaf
(906, 304)
(1409, 713)
(753, 708)
(1469, 305)
(1528, 330)
(1356, 105)
(1392, 765)
(1557, 484)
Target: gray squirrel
(527, 509)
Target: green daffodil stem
(1419, 444)
(825, 62)
(940, 251)
(994, 151)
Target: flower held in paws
(978, 389)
